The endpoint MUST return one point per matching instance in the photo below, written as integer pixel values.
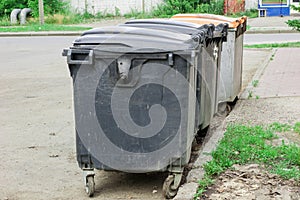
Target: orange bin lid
(210, 19)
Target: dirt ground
(252, 182)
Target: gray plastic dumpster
(134, 101)
(232, 54)
(209, 63)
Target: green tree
(295, 23)
(172, 7)
(6, 6)
(50, 7)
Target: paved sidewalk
(281, 78)
(271, 24)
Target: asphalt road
(271, 38)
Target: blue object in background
(278, 8)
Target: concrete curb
(189, 189)
(269, 31)
(42, 33)
(78, 33)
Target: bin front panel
(137, 125)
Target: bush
(6, 6)
(214, 7)
(172, 7)
(297, 8)
(50, 7)
(295, 24)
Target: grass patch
(274, 45)
(45, 27)
(252, 13)
(278, 127)
(247, 144)
(4, 21)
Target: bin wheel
(169, 190)
(90, 186)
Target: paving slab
(281, 77)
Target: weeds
(252, 13)
(247, 144)
(204, 183)
(255, 83)
(295, 24)
(278, 127)
(138, 15)
(250, 94)
(4, 21)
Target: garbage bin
(134, 100)
(232, 54)
(208, 67)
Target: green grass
(4, 21)
(252, 13)
(247, 144)
(274, 45)
(250, 94)
(278, 127)
(45, 27)
(295, 23)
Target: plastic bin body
(114, 116)
(208, 75)
(232, 52)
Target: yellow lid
(210, 18)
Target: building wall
(251, 4)
(234, 6)
(110, 6)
